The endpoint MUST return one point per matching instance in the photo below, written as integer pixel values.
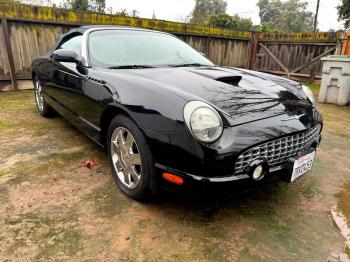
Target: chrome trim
(98, 129)
(279, 150)
(293, 118)
(65, 72)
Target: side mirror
(65, 55)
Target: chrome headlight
(203, 121)
(309, 94)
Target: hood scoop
(218, 74)
(231, 80)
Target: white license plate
(303, 165)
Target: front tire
(43, 108)
(130, 158)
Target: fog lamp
(258, 169)
(258, 172)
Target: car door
(66, 82)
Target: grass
(52, 209)
(313, 87)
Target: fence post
(254, 49)
(346, 44)
(207, 47)
(8, 48)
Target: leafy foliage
(207, 8)
(85, 5)
(98, 6)
(232, 22)
(287, 16)
(122, 12)
(79, 5)
(266, 27)
(344, 12)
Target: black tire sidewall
(143, 189)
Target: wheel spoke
(135, 176)
(120, 137)
(118, 165)
(135, 159)
(128, 142)
(127, 170)
(115, 147)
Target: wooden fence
(295, 55)
(27, 32)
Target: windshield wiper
(187, 65)
(130, 66)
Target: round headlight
(203, 121)
(309, 94)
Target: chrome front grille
(279, 150)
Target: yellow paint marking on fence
(58, 15)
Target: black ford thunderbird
(169, 117)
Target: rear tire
(130, 158)
(43, 108)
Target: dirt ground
(52, 208)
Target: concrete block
(335, 84)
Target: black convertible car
(170, 117)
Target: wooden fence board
(16, 52)
(4, 70)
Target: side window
(73, 44)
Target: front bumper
(217, 180)
(200, 186)
(215, 165)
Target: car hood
(243, 95)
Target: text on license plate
(303, 165)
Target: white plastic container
(335, 85)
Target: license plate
(303, 165)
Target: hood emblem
(294, 118)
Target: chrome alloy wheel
(38, 96)
(126, 157)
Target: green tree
(287, 16)
(98, 6)
(85, 5)
(266, 27)
(134, 13)
(344, 12)
(244, 24)
(232, 22)
(77, 5)
(122, 12)
(206, 8)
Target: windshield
(117, 48)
